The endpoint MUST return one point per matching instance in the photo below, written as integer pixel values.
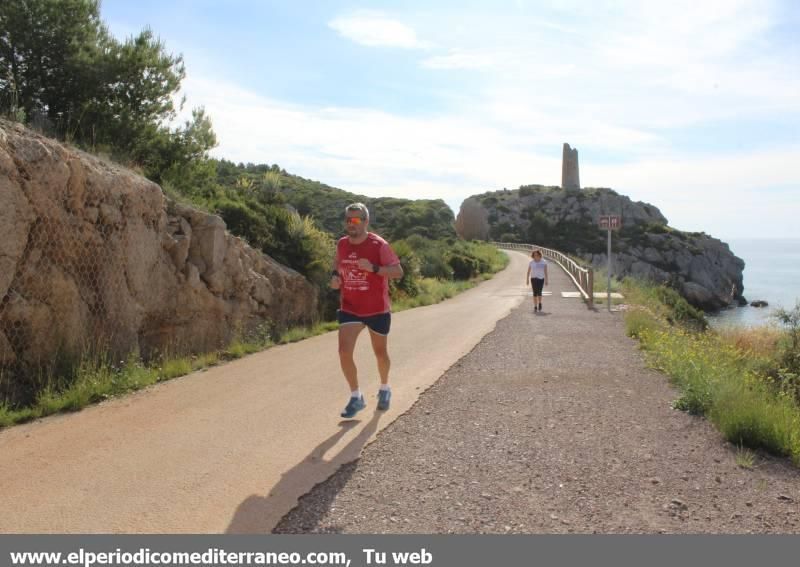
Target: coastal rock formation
(702, 268)
(94, 255)
(570, 178)
(472, 221)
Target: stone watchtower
(569, 169)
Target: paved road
(230, 449)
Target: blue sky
(691, 106)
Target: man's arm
(394, 272)
(528, 275)
(389, 266)
(545, 274)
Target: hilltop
(392, 217)
(700, 267)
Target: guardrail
(583, 277)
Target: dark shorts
(379, 324)
(538, 286)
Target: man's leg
(379, 347)
(348, 334)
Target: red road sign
(613, 222)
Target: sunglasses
(354, 220)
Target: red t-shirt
(363, 293)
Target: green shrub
(175, 367)
(408, 285)
(748, 414)
(431, 291)
(681, 310)
(463, 266)
(664, 302)
(639, 322)
(717, 373)
(314, 247)
(434, 265)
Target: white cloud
(356, 147)
(638, 65)
(546, 120)
(722, 176)
(377, 30)
(674, 34)
(626, 76)
(458, 59)
(754, 194)
(716, 53)
(452, 156)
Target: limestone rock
(701, 268)
(7, 355)
(93, 254)
(696, 294)
(208, 244)
(472, 221)
(16, 217)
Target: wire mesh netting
(63, 281)
(97, 265)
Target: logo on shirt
(355, 279)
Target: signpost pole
(608, 298)
(610, 222)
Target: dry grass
(760, 341)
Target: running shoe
(383, 399)
(354, 406)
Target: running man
(537, 275)
(363, 266)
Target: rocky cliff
(93, 254)
(702, 268)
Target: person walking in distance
(363, 266)
(537, 275)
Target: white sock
(385, 387)
(355, 394)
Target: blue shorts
(538, 285)
(379, 324)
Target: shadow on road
(258, 514)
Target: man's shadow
(258, 514)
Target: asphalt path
(232, 448)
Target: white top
(537, 268)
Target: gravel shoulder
(552, 424)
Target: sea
(771, 273)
